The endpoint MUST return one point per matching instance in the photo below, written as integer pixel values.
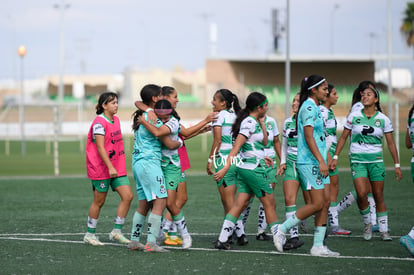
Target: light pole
(61, 8)
(21, 51)
(335, 8)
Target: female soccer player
(251, 137)
(311, 166)
(407, 241)
(291, 179)
(367, 128)
(105, 165)
(331, 140)
(150, 182)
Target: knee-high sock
(138, 222)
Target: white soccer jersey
(171, 156)
(330, 127)
(291, 135)
(357, 107)
(273, 131)
(225, 120)
(252, 150)
(366, 136)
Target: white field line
(12, 237)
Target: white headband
(317, 84)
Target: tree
(407, 27)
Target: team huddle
(243, 162)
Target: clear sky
(106, 36)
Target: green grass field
(44, 220)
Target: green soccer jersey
(366, 136)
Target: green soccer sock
(289, 223)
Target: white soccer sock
(411, 233)
(346, 202)
(333, 215)
(226, 231)
(373, 209)
(261, 220)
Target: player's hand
(152, 117)
(211, 117)
(333, 164)
(209, 170)
(268, 161)
(398, 174)
(323, 168)
(112, 172)
(220, 174)
(281, 170)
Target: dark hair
(103, 99)
(165, 104)
(377, 95)
(149, 91)
(166, 91)
(306, 86)
(410, 114)
(356, 96)
(330, 88)
(230, 98)
(254, 100)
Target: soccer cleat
(92, 239)
(152, 247)
(178, 240)
(336, 230)
(187, 241)
(367, 232)
(279, 238)
(263, 237)
(136, 245)
(242, 240)
(117, 236)
(385, 236)
(322, 251)
(169, 241)
(161, 238)
(293, 243)
(223, 246)
(408, 242)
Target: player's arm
(214, 148)
(408, 142)
(339, 146)
(157, 132)
(171, 144)
(152, 117)
(394, 153)
(100, 145)
(195, 129)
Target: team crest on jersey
(269, 126)
(377, 123)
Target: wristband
(210, 160)
(335, 157)
(397, 165)
(149, 109)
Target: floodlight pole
(287, 62)
(22, 52)
(389, 59)
(61, 8)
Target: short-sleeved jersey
(252, 151)
(330, 127)
(366, 136)
(273, 131)
(410, 129)
(225, 120)
(310, 115)
(114, 146)
(146, 145)
(291, 135)
(171, 156)
(357, 107)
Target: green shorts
(172, 175)
(291, 172)
(102, 186)
(230, 178)
(183, 177)
(253, 182)
(372, 171)
(310, 177)
(271, 172)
